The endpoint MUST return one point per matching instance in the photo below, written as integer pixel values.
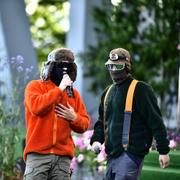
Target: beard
(119, 76)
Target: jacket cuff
(164, 151)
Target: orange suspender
(127, 114)
(129, 97)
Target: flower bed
(85, 157)
(174, 139)
(83, 154)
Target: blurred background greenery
(48, 18)
(150, 30)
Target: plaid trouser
(124, 167)
(47, 167)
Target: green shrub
(10, 131)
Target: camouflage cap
(119, 56)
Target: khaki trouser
(47, 167)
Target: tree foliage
(48, 25)
(148, 29)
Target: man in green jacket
(128, 135)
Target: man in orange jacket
(53, 109)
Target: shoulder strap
(106, 97)
(105, 106)
(127, 114)
(129, 97)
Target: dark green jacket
(146, 121)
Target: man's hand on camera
(96, 147)
(66, 81)
(66, 112)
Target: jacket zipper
(55, 130)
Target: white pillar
(80, 35)
(5, 74)
(75, 36)
(17, 41)
(17, 34)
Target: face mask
(119, 75)
(59, 69)
(56, 75)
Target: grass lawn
(152, 171)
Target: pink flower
(80, 158)
(79, 142)
(172, 144)
(73, 164)
(88, 134)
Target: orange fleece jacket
(45, 132)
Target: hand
(66, 81)
(96, 147)
(164, 160)
(67, 113)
